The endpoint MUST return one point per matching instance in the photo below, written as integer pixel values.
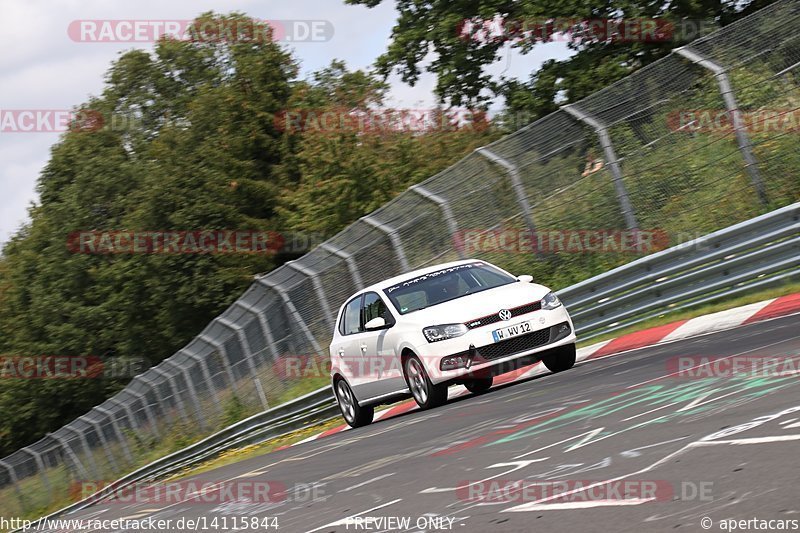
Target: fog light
(454, 361)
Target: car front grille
(519, 344)
(494, 317)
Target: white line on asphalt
(367, 482)
(576, 505)
(712, 361)
(347, 519)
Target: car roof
(414, 273)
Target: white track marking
(367, 482)
(712, 361)
(346, 520)
(576, 505)
(752, 440)
(517, 466)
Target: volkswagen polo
(455, 323)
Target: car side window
(351, 318)
(375, 307)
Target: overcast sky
(43, 68)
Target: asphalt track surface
(718, 446)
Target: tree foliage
(189, 141)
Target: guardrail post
(146, 406)
(742, 139)
(237, 329)
(612, 161)
(120, 437)
(206, 374)
(292, 310)
(169, 378)
(516, 184)
(447, 213)
(314, 276)
(265, 329)
(103, 441)
(393, 237)
(37, 457)
(349, 259)
(12, 475)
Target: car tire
(425, 393)
(355, 415)
(560, 359)
(479, 385)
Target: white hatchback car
(456, 323)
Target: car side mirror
(525, 278)
(375, 323)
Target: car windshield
(444, 285)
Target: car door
(347, 350)
(379, 347)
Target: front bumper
(482, 352)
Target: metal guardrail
(745, 256)
(639, 154)
(314, 407)
(760, 251)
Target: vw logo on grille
(504, 314)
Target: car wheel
(426, 394)
(479, 385)
(560, 359)
(354, 414)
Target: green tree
(463, 46)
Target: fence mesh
(660, 140)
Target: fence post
(393, 237)
(516, 184)
(612, 161)
(237, 329)
(223, 354)
(86, 450)
(292, 310)
(313, 275)
(265, 329)
(447, 213)
(742, 139)
(349, 259)
(206, 374)
(14, 481)
(120, 437)
(128, 411)
(146, 406)
(175, 393)
(103, 441)
(37, 457)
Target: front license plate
(511, 331)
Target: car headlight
(445, 331)
(550, 301)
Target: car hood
(479, 304)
